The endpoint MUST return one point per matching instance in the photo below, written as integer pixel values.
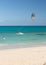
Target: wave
(20, 33)
(41, 34)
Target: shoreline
(21, 45)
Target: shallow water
(13, 40)
(25, 38)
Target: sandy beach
(23, 56)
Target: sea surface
(19, 35)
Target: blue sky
(18, 12)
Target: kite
(33, 16)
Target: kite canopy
(33, 16)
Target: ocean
(24, 29)
(23, 35)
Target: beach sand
(23, 56)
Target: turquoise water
(24, 29)
(31, 34)
(25, 38)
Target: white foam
(4, 38)
(19, 33)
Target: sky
(18, 12)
